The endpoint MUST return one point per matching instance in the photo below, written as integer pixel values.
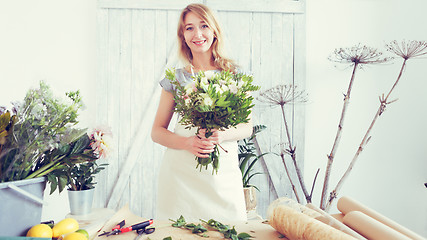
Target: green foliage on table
(195, 229)
(227, 231)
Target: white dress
(197, 194)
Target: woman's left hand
(215, 138)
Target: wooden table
(256, 228)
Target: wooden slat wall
(136, 42)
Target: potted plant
(29, 132)
(79, 178)
(248, 157)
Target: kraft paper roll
(298, 226)
(292, 204)
(328, 219)
(371, 228)
(338, 216)
(346, 205)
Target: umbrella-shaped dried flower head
(407, 50)
(358, 55)
(283, 94)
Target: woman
(183, 189)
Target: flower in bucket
(82, 155)
(215, 100)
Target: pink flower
(100, 141)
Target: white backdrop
(54, 41)
(390, 172)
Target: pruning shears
(139, 227)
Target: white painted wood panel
(283, 6)
(137, 41)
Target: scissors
(144, 230)
(119, 228)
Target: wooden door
(137, 41)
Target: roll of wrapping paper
(328, 219)
(338, 216)
(298, 226)
(371, 228)
(346, 205)
(292, 204)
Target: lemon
(75, 236)
(65, 226)
(40, 231)
(84, 232)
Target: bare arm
(160, 133)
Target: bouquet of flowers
(213, 101)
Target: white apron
(185, 190)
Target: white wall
(51, 40)
(390, 173)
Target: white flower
(207, 101)
(187, 101)
(233, 88)
(204, 80)
(209, 74)
(240, 84)
(189, 88)
(218, 88)
(204, 83)
(224, 88)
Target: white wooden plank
(223, 5)
(270, 6)
(134, 154)
(299, 80)
(138, 88)
(160, 56)
(113, 91)
(125, 78)
(101, 95)
(255, 64)
(146, 4)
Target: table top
(256, 228)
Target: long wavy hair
(218, 55)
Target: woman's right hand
(199, 147)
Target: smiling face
(197, 34)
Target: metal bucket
(21, 204)
(81, 201)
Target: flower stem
(290, 179)
(291, 151)
(337, 139)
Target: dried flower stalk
(357, 56)
(406, 50)
(282, 95)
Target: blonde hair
(218, 55)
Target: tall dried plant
(357, 56)
(283, 95)
(406, 50)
